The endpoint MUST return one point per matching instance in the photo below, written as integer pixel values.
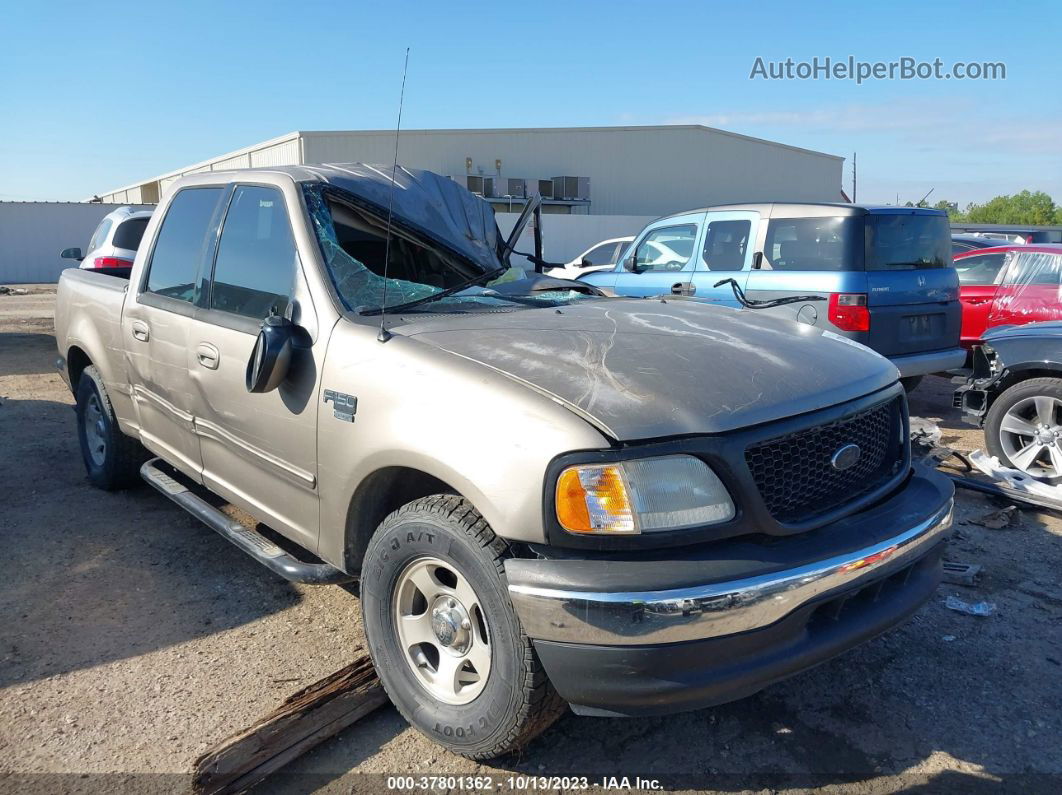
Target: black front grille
(795, 474)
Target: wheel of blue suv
(112, 459)
(443, 635)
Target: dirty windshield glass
(902, 241)
(354, 245)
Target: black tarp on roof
(432, 205)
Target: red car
(1008, 285)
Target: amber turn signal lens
(593, 499)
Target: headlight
(642, 496)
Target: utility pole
(853, 177)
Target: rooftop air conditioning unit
(571, 188)
(516, 187)
(474, 183)
(493, 187)
(545, 188)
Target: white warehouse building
(619, 171)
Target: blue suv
(884, 274)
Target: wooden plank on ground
(306, 718)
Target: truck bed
(88, 318)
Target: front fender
(489, 438)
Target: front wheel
(1023, 428)
(443, 635)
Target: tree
(1034, 208)
(951, 208)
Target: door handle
(208, 355)
(977, 301)
(141, 330)
(683, 288)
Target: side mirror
(71, 253)
(585, 262)
(631, 264)
(271, 357)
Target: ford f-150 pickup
(549, 496)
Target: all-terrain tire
(114, 460)
(517, 702)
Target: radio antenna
(384, 334)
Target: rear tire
(1036, 402)
(112, 459)
(446, 537)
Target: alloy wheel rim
(442, 631)
(1031, 436)
(95, 431)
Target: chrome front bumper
(719, 608)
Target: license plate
(919, 325)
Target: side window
(601, 255)
(255, 267)
(668, 248)
(725, 244)
(180, 243)
(814, 244)
(1036, 268)
(100, 235)
(979, 270)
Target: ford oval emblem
(846, 457)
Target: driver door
(259, 451)
(662, 261)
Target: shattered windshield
(354, 245)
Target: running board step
(254, 544)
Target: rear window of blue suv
(872, 242)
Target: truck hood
(644, 369)
(1048, 329)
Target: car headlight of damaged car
(641, 496)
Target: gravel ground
(132, 638)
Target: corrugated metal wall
(632, 171)
(33, 233)
(283, 152)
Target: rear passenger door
(1031, 290)
(156, 324)
(726, 250)
(259, 450)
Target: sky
(98, 95)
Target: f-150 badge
(344, 406)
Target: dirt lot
(132, 638)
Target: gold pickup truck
(550, 496)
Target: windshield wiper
(435, 296)
(752, 303)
